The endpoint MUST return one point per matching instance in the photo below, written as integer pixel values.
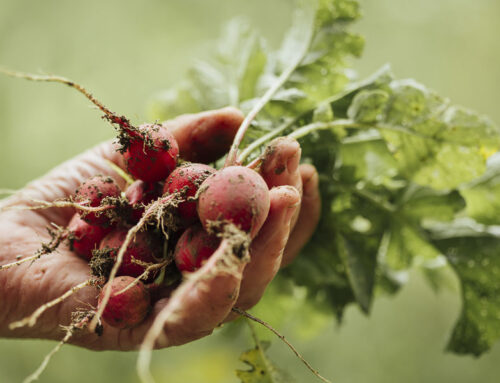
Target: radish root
(282, 337)
(109, 115)
(30, 321)
(149, 268)
(79, 323)
(58, 236)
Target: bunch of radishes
(168, 222)
(171, 218)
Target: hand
(202, 303)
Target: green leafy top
(405, 176)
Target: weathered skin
(202, 303)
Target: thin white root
(282, 337)
(78, 323)
(144, 275)
(46, 360)
(48, 205)
(61, 80)
(146, 349)
(58, 237)
(122, 121)
(155, 332)
(20, 262)
(31, 320)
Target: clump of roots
(238, 240)
(101, 262)
(121, 121)
(160, 213)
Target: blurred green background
(124, 52)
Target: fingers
(267, 248)
(280, 165)
(201, 303)
(205, 137)
(309, 215)
(194, 309)
(281, 162)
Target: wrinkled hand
(203, 303)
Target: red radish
(236, 194)
(152, 156)
(187, 179)
(140, 194)
(84, 237)
(92, 192)
(194, 248)
(129, 308)
(144, 248)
